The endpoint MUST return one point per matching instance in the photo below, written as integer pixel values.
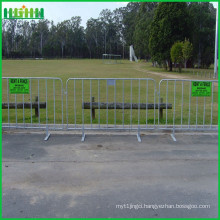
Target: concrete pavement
(111, 176)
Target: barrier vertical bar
(212, 104)
(182, 107)
(123, 103)
(8, 102)
(23, 110)
(16, 118)
(190, 85)
(46, 102)
(90, 103)
(159, 100)
(38, 99)
(174, 111)
(166, 101)
(204, 112)
(62, 101)
(83, 134)
(131, 108)
(54, 103)
(155, 91)
(139, 100)
(115, 104)
(99, 101)
(147, 103)
(196, 111)
(47, 126)
(107, 103)
(31, 99)
(67, 114)
(74, 102)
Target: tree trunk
(41, 44)
(199, 56)
(170, 65)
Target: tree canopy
(152, 28)
(169, 25)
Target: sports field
(86, 68)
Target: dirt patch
(163, 75)
(169, 76)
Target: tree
(187, 49)
(42, 30)
(130, 12)
(62, 31)
(202, 24)
(151, 27)
(119, 26)
(142, 29)
(94, 37)
(176, 54)
(170, 24)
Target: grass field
(86, 68)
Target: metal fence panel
(130, 104)
(111, 104)
(45, 99)
(188, 112)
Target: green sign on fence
(201, 88)
(19, 86)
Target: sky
(59, 11)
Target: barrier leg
(83, 136)
(138, 135)
(47, 133)
(173, 135)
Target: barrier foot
(139, 137)
(47, 133)
(173, 137)
(83, 137)
(47, 136)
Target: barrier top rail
(188, 80)
(110, 79)
(4, 77)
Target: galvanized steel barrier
(126, 97)
(48, 95)
(110, 104)
(189, 113)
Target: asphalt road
(110, 176)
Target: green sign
(201, 88)
(19, 86)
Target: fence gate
(111, 104)
(195, 105)
(32, 102)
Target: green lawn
(86, 68)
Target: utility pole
(216, 46)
